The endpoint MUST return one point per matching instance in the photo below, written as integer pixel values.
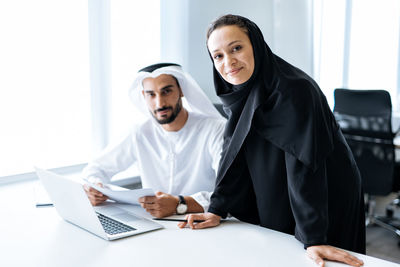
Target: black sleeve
(308, 194)
(234, 193)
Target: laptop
(107, 221)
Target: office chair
(365, 118)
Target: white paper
(125, 196)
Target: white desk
(39, 237)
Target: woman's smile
(232, 53)
(233, 72)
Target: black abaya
(285, 164)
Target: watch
(182, 206)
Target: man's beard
(175, 112)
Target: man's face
(163, 97)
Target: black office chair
(365, 118)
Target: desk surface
(39, 237)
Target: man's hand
(95, 196)
(160, 205)
(209, 220)
(319, 253)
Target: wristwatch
(182, 207)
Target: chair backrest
(365, 119)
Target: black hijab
(281, 102)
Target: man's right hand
(95, 197)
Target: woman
(285, 164)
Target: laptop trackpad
(126, 217)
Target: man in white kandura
(177, 150)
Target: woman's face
(232, 53)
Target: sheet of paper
(124, 196)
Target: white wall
(286, 26)
(293, 32)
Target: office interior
(67, 66)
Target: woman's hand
(207, 220)
(319, 253)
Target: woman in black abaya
(285, 164)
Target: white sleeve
(215, 144)
(215, 141)
(203, 198)
(112, 160)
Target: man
(177, 151)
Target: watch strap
(181, 200)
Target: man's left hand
(319, 253)
(160, 205)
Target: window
(374, 43)
(329, 25)
(357, 44)
(135, 43)
(44, 96)
(57, 58)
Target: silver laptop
(106, 221)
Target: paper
(125, 196)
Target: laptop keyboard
(113, 227)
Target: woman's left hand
(319, 253)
